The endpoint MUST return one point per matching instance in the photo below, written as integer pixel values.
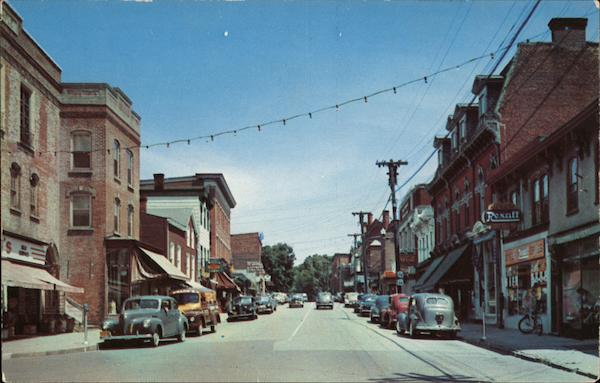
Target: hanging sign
(501, 216)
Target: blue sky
(193, 68)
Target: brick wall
(245, 247)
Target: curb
(520, 355)
(6, 356)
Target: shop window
(15, 186)
(81, 210)
(116, 158)
(116, 215)
(572, 186)
(33, 195)
(130, 217)
(527, 287)
(25, 126)
(129, 168)
(118, 279)
(81, 150)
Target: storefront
(527, 279)
(578, 307)
(31, 295)
(486, 295)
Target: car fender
(155, 323)
(402, 319)
(182, 324)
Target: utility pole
(355, 235)
(393, 177)
(361, 216)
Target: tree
(278, 261)
(313, 275)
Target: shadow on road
(414, 377)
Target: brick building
(341, 280)
(245, 248)
(30, 100)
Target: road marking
(299, 325)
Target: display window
(527, 287)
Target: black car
(264, 304)
(324, 300)
(243, 306)
(150, 317)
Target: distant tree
(278, 261)
(313, 275)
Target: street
(302, 344)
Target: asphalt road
(290, 345)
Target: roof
(177, 216)
(218, 178)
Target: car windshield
(263, 300)
(185, 298)
(370, 299)
(437, 301)
(242, 300)
(404, 300)
(140, 304)
(324, 296)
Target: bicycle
(531, 322)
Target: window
(539, 193)
(440, 157)
(572, 185)
(193, 267)
(171, 252)
(481, 187)
(116, 158)
(33, 197)
(81, 212)
(188, 265)
(514, 198)
(117, 215)
(482, 103)
(25, 116)
(129, 167)
(455, 140)
(178, 260)
(463, 128)
(130, 221)
(467, 223)
(457, 214)
(81, 147)
(15, 186)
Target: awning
(225, 282)
(17, 275)
(447, 262)
(425, 276)
(198, 286)
(167, 267)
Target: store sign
(501, 216)
(215, 266)
(23, 250)
(400, 282)
(527, 252)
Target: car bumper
(264, 310)
(240, 315)
(296, 305)
(325, 305)
(107, 336)
(436, 328)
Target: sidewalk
(579, 356)
(50, 344)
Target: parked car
(274, 302)
(398, 303)
(243, 306)
(350, 299)
(264, 304)
(338, 297)
(200, 307)
(148, 317)
(382, 302)
(359, 299)
(324, 300)
(364, 307)
(429, 313)
(304, 297)
(280, 297)
(296, 301)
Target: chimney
(159, 181)
(386, 219)
(568, 32)
(143, 202)
(369, 219)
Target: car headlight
(146, 323)
(192, 319)
(105, 325)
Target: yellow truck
(199, 305)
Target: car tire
(411, 330)
(213, 329)
(181, 336)
(155, 341)
(389, 324)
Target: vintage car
(150, 317)
(304, 297)
(428, 313)
(382, 302)
(296, 301)
(398, 304)
(324, 300)
(364, 307)
(243, 306)
(264, 304)
(359, 299)
(350, 299)
(199, 307)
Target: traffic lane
(456, 358)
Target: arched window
(25, 126)
(129, 167)
(15, 186)
(33, 196)
(130, 221)
(116, 158)
(81, 149)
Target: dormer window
(455, 140)
(482, 103)
(440, 157)
(462, 126)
